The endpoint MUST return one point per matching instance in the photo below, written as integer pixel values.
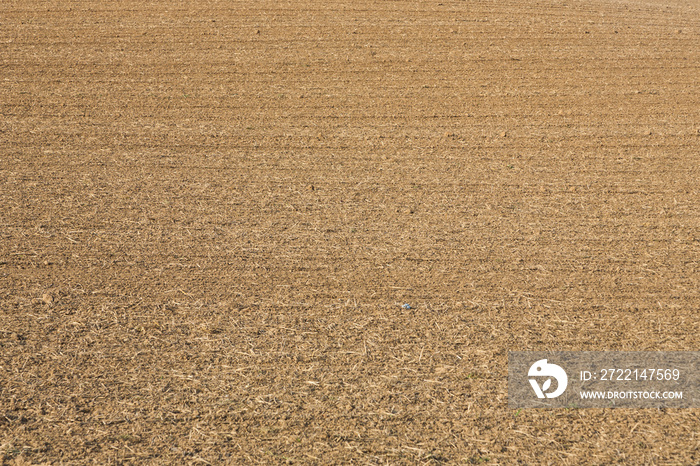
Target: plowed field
(311, 231)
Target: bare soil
(212, 214)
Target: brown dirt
(211, 216)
